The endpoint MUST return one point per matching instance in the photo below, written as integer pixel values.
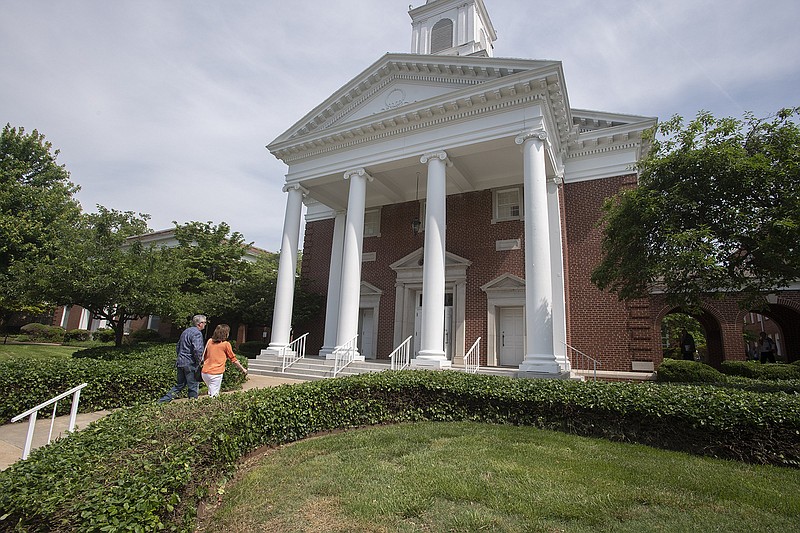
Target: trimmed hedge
(77, 335)
(104, 335)
(680, 371)
(117, 377)
(251, 349)
(755, 370)
(147, 468)
(36, 332)
(760, 378)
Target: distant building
(76, 317)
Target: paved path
(12, 436)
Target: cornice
(491, 88)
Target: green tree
(214, 262)
(112, 274)
(36, 208)
(717, 211)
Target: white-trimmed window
(507, 204)
(372, 223)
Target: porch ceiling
(478, 166)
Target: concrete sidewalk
(12, 436)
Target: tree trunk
(119, 332)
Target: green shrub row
(116, 377)
(745, 375)
(147, 468)
(251, 349)
(43, 333)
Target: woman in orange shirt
(218, 349)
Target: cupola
(452, 27)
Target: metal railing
(586, 361)
(293, 352)
(472, 360)
(401, 356)
(33, 413)
(344, 355)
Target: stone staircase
(313, 367)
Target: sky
(165, 107)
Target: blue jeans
(185, 379)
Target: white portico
(417, 129)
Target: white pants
(214, 382)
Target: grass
(435, 477)
(39, 351)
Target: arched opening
(442, 36)
(781, 323)
(704, 330)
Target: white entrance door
(366, 325)
(511, 348)
(448, 325)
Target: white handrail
(584, 359)
(32, 413)
(401, 356)
(472, 361)
(344, 355)
(297, 351)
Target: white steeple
(452, 27)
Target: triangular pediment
(504, 282)
(399, 89)
(368, 289)
(415, 258)
(396, 94)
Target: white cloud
(166, 107)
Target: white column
(539, 354)
(350, 291)
(334, 284)
(432, 354)
(287, 267)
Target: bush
(117, 377)
(251, 349)
(674, 370)
(104, 335)
(43, 333)
(144, 335)
(754, 370)
(148, 467)
(79, 335)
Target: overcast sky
(165, 106)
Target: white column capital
(361, 172)
(438, 154)
(295, 187)
(539, 135)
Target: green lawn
(40, 351)
(475, 477)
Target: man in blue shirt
(190, 358)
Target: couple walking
(192, 354)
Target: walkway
(12, 436)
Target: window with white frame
(507, 204)
(372, 223)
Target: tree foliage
(112, 275)
(717, 211)
(37, 207)
(214, 263)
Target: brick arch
(712, 321)
(785, 311)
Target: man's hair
(221, 333)
(196, 319)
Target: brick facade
(598, 324)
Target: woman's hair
(221, 333)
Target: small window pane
(508, 204)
